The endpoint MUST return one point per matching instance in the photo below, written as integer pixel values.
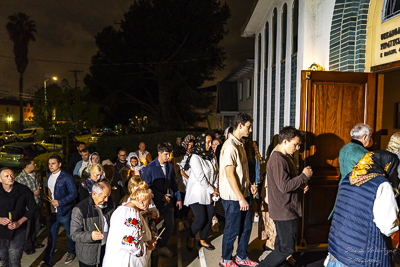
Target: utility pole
(76, 76)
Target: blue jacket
(354, 239)
(154, 176)
(64, 192)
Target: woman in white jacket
(202, 186)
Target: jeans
(53, 225)
(203, 215)
(238, 224)
(285, 243)
(11, 250)
(168, 213)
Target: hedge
(107, 146)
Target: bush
(107, 146)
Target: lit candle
(10, 216)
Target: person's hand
(305, 189)
(36, 192)
(96, 235)
(54, 203)
(216, 192)
(4, 221)
(13, 225)
(166, 199)
(179, 204)
(151, 245)
(254, 189)
(308, 171)
(243, 204)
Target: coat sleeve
(280, 173)
(385, 210)
(197, 173)
(78, 233)
(71, 189)
(30, 205)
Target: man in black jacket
(17, 206)
(90, 213)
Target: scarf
(88, 184)
(374, 164)
(200, 150)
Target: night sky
(65, 33)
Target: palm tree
(21, 29)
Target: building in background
(235, 94)
(9, 114)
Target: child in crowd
(134, 164)
(130, 241)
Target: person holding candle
(90, 222)
(129, 237)
(17, 206)
(85, 187)
(202, 185)
(160, 176)
(143, 154)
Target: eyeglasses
(122, 155)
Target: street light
(9, 122)
(45, 86)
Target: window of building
(248, 88)
(240, 91)
(391, 9)
(266, 44)
(7, 109)
(295, 26)
(284, 32)
(274, 36)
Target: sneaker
(245, 263)
(70, 257)
(227, 264)
(256, 218)
(181, 227)
(164, 251)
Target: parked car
(92, 141)
(29, 134)
(8, 137)
(12, 154)
(58, 143)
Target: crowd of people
(110, 210)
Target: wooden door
(331, 104)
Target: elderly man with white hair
(351, 153)
(90, 222)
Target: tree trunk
(21, 103)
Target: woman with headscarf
(134, 164)
(365, 215)
(202, 185)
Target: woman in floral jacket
(129, 237)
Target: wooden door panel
(331, 104)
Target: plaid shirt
(30, 181)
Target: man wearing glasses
(121, 161)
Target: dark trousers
(168, 213)
(238, 224)
(203, 215)
(53, 225)
(285, 243)
(11, 250)
(32, 231)
(103, 250)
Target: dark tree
(21, 30)
(155, 62)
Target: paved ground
(183, 258)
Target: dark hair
(218, 132)
(25, 162)
(122, 149)
(81, 143)
(85, 150)
(288, 133)
(56, 157)
(164, 147)
(241, 118)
